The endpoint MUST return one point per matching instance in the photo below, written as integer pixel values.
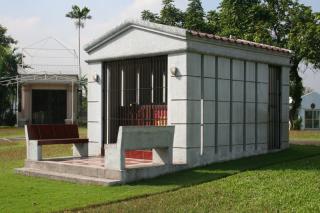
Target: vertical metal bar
(244, 106)
(216, 106)
(164, 88)
(152, 87)
(122, 87)
(138, 88)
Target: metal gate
(274, 107)
(137, 94)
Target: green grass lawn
(31, 194)
(12, 132)
(285, 187)
(305, 135)
(8, 132)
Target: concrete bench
(157, 138)
(41, 135)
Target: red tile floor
(99, 162)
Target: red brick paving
(99, 162)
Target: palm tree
(80, 16)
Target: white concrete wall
(242, 52)
(94, 110)
(233, 120)
(133, 42)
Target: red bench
(40, 135)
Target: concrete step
(87, 171)
(67, 177)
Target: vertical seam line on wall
(256, 108)
(244, 105)
(202, 104)
(280, 108)
(216, 106)
(230, 106)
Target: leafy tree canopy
(79, 15)
(194, 16)
(169, 15)
(8, 68)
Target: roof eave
(159, 28)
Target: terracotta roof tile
(238, 41)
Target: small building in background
(310, 111)
(48, 84)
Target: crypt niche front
(134, 94)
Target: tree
(169, 15)
(297, 27)
(307, 90)
(245, 19)
(194, 16)
(147, 15)
(8, 69)
(79, 16)
(213, 22)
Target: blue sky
(32, 20)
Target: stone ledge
(67, 177)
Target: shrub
(297, 124)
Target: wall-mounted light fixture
(96, 78)
(174, 71)
(313, 105)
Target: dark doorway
(274, 107)
(134, 95)
(49, 106)
(137, 94)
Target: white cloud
(132, 11)
(20, 23)
(310, 77)
(135, 9)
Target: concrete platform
(67, 177)
(91, 170)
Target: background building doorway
(49, 106)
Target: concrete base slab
(67, 177)
(93, 171)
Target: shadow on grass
(217, 171)
(223, 169)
